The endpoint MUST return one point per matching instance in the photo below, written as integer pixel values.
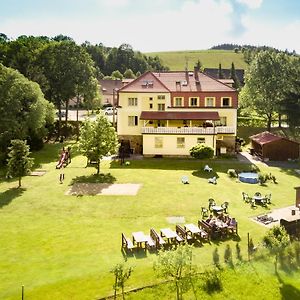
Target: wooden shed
(274, 147)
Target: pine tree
(19, 163)
(220, 73)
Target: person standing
(62, 174)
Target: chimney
(297, 196)
(186, 75)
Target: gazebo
(273, 147)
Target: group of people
(224, 220)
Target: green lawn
(176, 60)
(62, 247)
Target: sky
(158, 25)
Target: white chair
(212, 180)
(185, 180)
(207, 168)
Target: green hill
(176, 60)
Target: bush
(201, 151)
(232, 173)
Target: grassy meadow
(176, 60)
(63, 247)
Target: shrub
(201, 151)
(232, 173)
(212, 281)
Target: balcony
(188, 130)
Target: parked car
(62, 114)
(110, 111)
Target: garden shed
(273, 147)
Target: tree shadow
(9, 195)
(94, 178)
(287, 290)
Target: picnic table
(192, 228)
(169, 234)
(139, 238)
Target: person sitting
(232, 225)
(209, 218)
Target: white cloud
(272, 34)
(114, 3)
(253, 4)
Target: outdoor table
(139, 238)
(192, 228)
(217, 208)
(260, 199)
(168, 233)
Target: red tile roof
(180, 81)
(170, 115)
(266, 137)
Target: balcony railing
(188, 130)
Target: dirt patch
(79, 189)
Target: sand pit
(125, 189)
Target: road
(83, 114)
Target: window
(226, 101)
(180, 142)
(210, 101)
(201, 140)
(178, 101)
(161, 106)
(150, 105)
(223, 121)
(193, 101)
(132, 120)
(161, 97)
(132, 101)
(158, 142)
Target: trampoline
(248, 177)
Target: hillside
(176, 60)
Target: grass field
(176, 60)
(63, 247)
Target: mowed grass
(176, 60)
(63, 247)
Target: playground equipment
(65, 158)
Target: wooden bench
(150, 244)
(127, 243)
(206, 228)
(159, 241)
(182, 233)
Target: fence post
(22, 292)
(248, 240)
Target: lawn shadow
(9, 195)
(287, 290)
(94, 178)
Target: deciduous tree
(97, 139)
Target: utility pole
(114, 108)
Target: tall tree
(129, 74)
(276, 240)
(97, 139)
(290, 105)
(23, 108)
(67, 68)
(265, 83)
(220, 72)
(234, 77)
(19, 162)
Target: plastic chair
(185, 180)
(204, 212)
(225, 206)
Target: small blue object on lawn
(185, 180)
